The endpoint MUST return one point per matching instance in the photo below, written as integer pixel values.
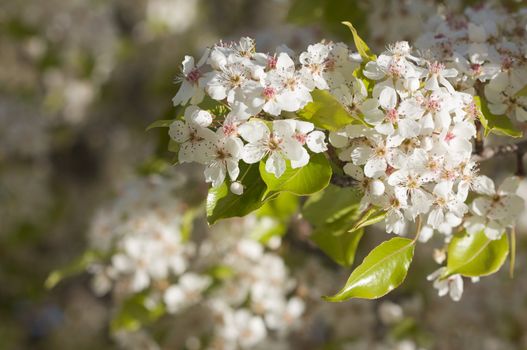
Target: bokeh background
(80, 80)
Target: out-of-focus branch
(342, 180)
(490, 152)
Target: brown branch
(342, 180)
(490, 152)
(487, 153)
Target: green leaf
(306, 180)
(153, 165)
(326, 112)
(281, 207)
(133, 313)
(371, 216)
(340, 248)
(333, 213)
(221, 272)
(328, 205)
(362, 48)
(188, 222)
(274, 216)
(76, 267)
(267, 228)
(497, 124)
(476, 255)
(222, 203)
(163, 123)
(384, 269)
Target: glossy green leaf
(333, 212)
(496, 124)
(476, 255)
(222, 203)
(362, 47)
(383, 270)
(334, 240)
(306, 180)
(371, 216)
(76, 267)
(281, 207)
(328, 205)
(326, 112)
(163, 123)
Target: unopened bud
(237, 188)
(377, 187)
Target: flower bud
(237, 188)
(377, 187)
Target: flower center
(271, 62)
(392, 115)
(432, 104)
(235, 80)
(449, 136)
(274, 143)
(222, 154)
(476, 68)
(269, 93)
(436, 67)
(290, 84)
(412, 183)
(194, 76)
(300, 138)
(230, 129)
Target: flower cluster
(494, 210)
(258, 90)
(415, 159)
(141, 234)
(486, 44)
(146, 246)
(408, 141)
(256, 300)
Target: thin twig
(343, 180)
(520, 171)
(501, 150)
(513, 252)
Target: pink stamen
(392, 115)
(271, 62)
(194, 76)
(449, 136)
(476, 68)
(436, 67)
(432, 104)
(230, 129)
(394, 69)
(300, 138)
(269, 93)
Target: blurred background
(80, 80)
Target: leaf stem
(513, 252)
(419, 223)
